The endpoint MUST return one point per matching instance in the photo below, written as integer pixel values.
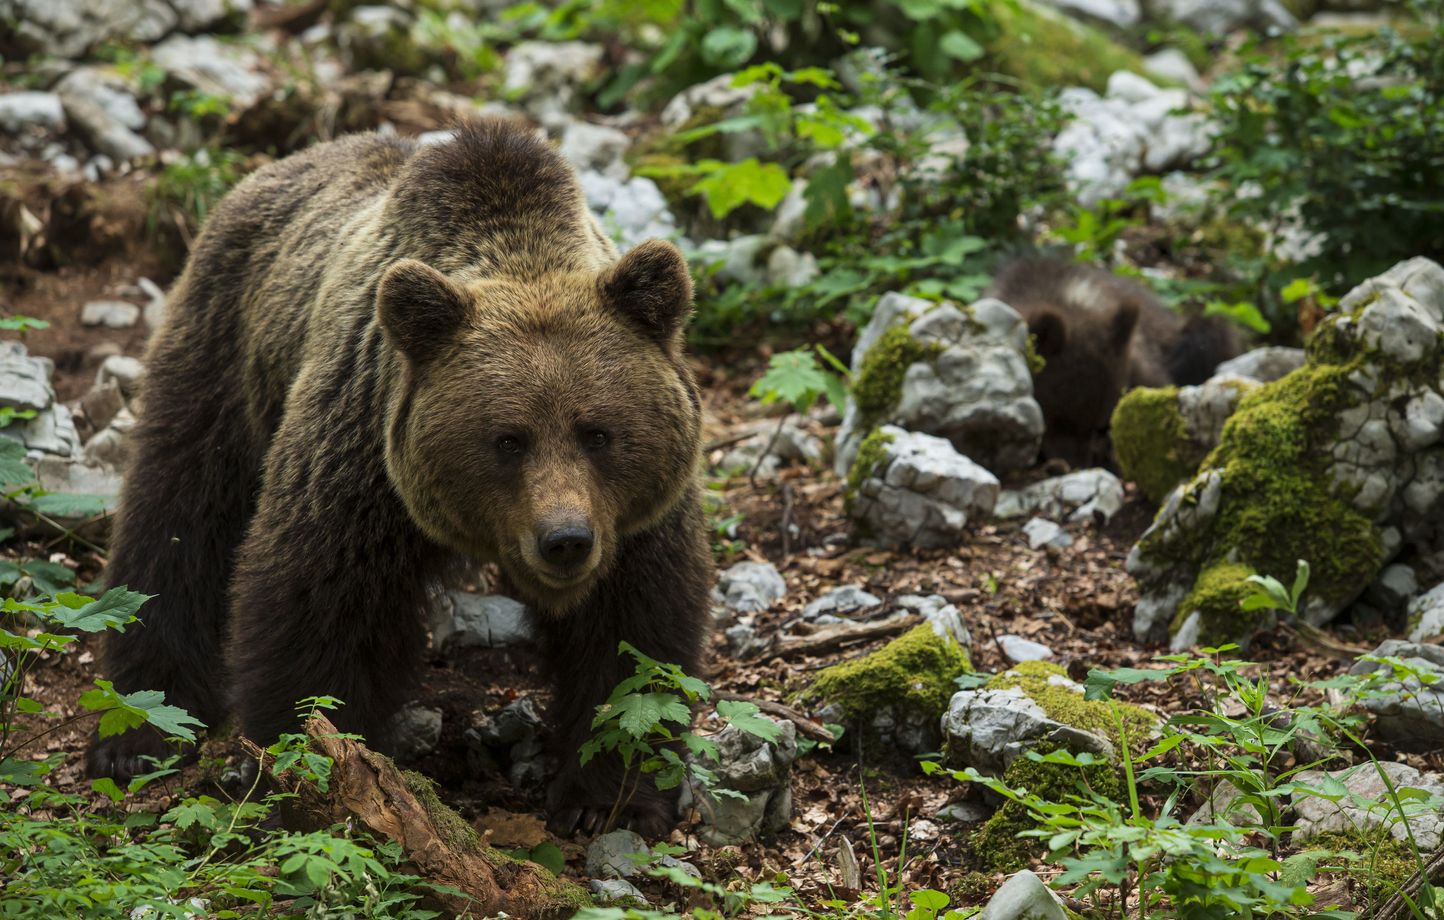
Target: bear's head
(540, 422)
(1086, 360)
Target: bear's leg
(656, 598)
(330, 585)
(189, 488)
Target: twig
(728, 442)
(830, 637)
(805, 726)
(771, 442)
(1399, 904)
(786, 520)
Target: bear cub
(1100, 334)
(383, 358)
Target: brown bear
(381, 358)
(1100, 334)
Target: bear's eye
(596, 438)
(509, 445)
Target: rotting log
(366, 788)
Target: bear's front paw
(127, 755)
(651, 815)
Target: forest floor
(1077, 601)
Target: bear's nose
(565, 547)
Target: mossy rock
(878, 386)
(1150, 440)
(912, 678)
(1040, 680)
(1043, 48)
(871, 453)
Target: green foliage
(1343, 131)
(648, 715)
(795, 377)
(185, 191)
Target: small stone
(1173, 64)
(1086, 495)
(597, 147)
(417, 731)
(24, 380)
(788, 268)
(464, 620)
(964, 813)
(126, 373)
(1042, 532)
(841, 602)
(113, 314)
(102, 109)
(748, 587)
(1263, 364)
(758, 773)
(1023, 897)
(1019, 649)
(612, 890)
(1368, 804)
(990, 728)
(545, 77)
(1408, 712)
(607, 855)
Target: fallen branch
(805, 726)
(368, 789)
(1402, 903)
(831, 637)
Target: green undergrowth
(1041, 47)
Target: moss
(1383, 862)
(1277, 504)
(1151, 441)
(1000, 844)
(1043, 48)
(973, 888)
(1068, 706)
(462, 837)
(1217, 593)
(1036, 362)
(870, 453)
(915, 672)
(879, 380)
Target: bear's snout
(567, 546)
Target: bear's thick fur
(1100, 334)
(382, 358)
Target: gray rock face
(1219, 17)
(417, 732)
(748, 587)
(976, 391)
(839, 604)
(220, 69)
(1128, 132)
(1119, 13)
(1426, 615)
(761, 771)
(989, 729)
(1265, 364)
(24, 381)
(463, 620)
(1086, 495)
(612, 890)
(113, 314)
(607, 855)
(1023, 897)
(1386, 458)
(1410, 713)
(101, 108)
(25, 111)
(718, 99)
(545, 77)
(1368, 804)
(630, 210)
(126, 372)
(69, 28)
(1172, 64)
(922, 492)
(945, 619)
(595, 147)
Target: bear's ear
(651, 287)
(1050, 333)
(1124, 322)
(419, 308)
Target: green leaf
(107, 787)
(730, 186)
(961, 46)
(747, 717)
(1244, 313)
(68, 505)
(548, 856)
(14, 471)
(795, 378)
(114, 609)
(728, 47)
(123, 711)
(192, 813)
